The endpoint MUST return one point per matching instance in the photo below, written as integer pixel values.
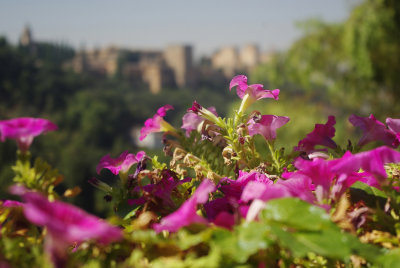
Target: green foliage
(339, 66)
(23, 253)
(312, 232)
(41, 176)
(351, 65)
(92, 112)
(288, 229)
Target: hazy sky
(206, 24)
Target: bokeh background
(99, 69)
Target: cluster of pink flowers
(66, 224)
(225, 201)
(316, 180)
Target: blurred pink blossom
(394, 126)
(374, 130)
(266, 125)
(321, 135)
(65, 223)
(372, 161)
(156, 123)
(186, 214)
(24, 129)
(191, 121)
(121, 163)
(256, 91)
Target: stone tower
(179, 59)
(249, 56)
(26, 38)
(227, 60)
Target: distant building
(172, 67)
(155, 68)
(249, 56)
(227, 60)
(26, 40)
(179, 59)
(231, 62)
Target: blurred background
(99, 69)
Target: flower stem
(272, 150)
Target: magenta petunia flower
(24, 129)
(372, 161)
(11, 204)
(374, 130)
(258, 190)
(321, 135)
(65, 223)
(191, 121)
(255, 91)
(266, 125)
(186, 214)
(225, 219)
(216, 206)
(159, 192)
(121, 163)
(299, 187)
(318, 171)
(394, 126)
(234, 188)
(221, 211)
(259, 193)
(157, 123)
(331, 178)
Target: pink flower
(256, 91)
(191, 121)
(318, 171)
(11, 204)
(299, 187)
(234, 188)
(186, 214)
(258, 190)
(331, 178)
(225, 219)
(159, 193)
(374, 130)
(321, 135)
(24, 129)
(266, 125)
(221, 211)
(394, 126)
(65, 223)
(372, 161)
(121, 163)
(156, 123)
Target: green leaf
(131, 214)
(187, 240)
(145, 236)
(253, 236)
(368, 189)
(390, 259)
(372, 196)
(302, 228)
(295, 213)
(244, 241)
